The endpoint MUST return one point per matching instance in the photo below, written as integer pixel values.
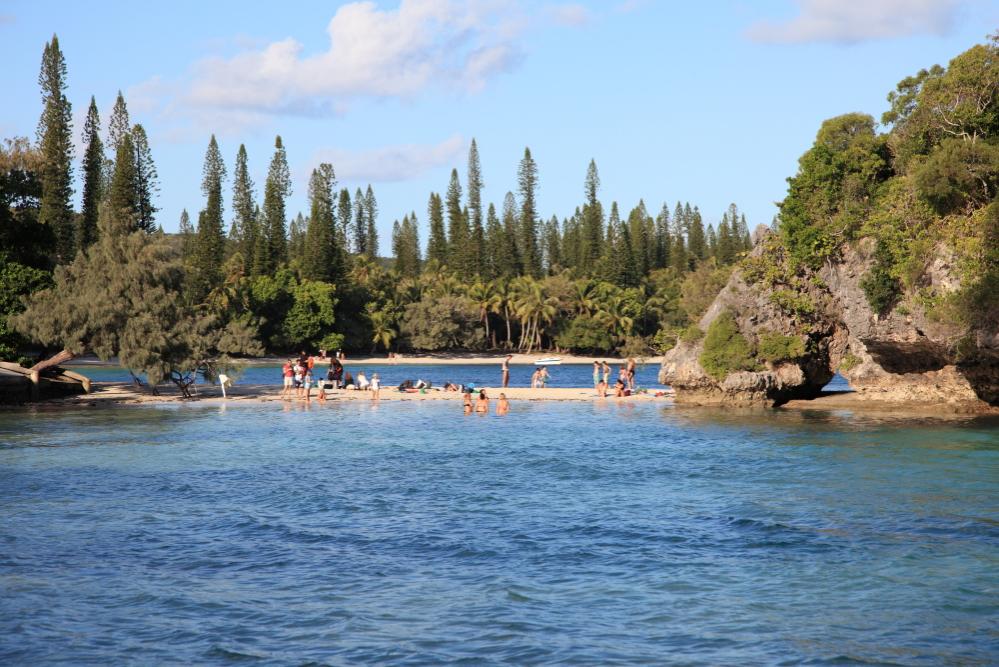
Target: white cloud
(372, 53)
(391, 163)
(570, 14)
(851, 21)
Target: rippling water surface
(577, 533)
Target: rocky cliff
(913, 353)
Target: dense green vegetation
(930, 181)
(499, 275)
(490, 276)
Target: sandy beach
(442, 359)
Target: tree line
(103, 277)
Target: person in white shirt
(375, 386)
(362, 381)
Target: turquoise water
(576, 533)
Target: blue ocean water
(483, 375)
(571, 533)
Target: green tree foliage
(959, 174)
(508, 261)
(93, 177)
(119, 124)
(442, 322)
(774, 347)
(17, 281)
(593, 216)
(360, 226)
(243, 232)
(457, 226)
(371, 220)
(146, 181)
(272, 244)
(437, 245)
(527, 180)
(725, 349)
(312, 314)
(209, 246)
(406, 247)
(56, 144)
(322, 258)
(186, 232)
(696, 242)
(477, 233)
(585, 333)
(344, 216)
(833, 188)
(122, 200)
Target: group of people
(481, 403)
(625, 383)
(300, 376)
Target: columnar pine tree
(93, 178)
(457, 225)
(493, 245)
(510, 263)
(186, 230)
(712, 242)
(118, 124)
(641, 240)
(321, 255)
(371, 216)
(664, 240)
(121, 197)
(272, 246)
(360, 226)
(296, 238)
(477, 232)
(726, 242)
(344, 217)
(552, 243)
(437, 250)
(244, 223)
(406, 247)
(593, 216)
(55, 142)
(146, 181)
(527, 180)
(695, 237)
(209, 248)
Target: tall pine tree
(344, 218)
(121, 198)
(696, 244)
(457, 225)
(209, 248)
(360, 225)
(437, 250)
(527, 180)
(118, 124)
(509, 262)
(146, 181)
(244, 223)
(593, 217)
(371, 216)
(477, 231)
(320, 257)
(55, 142)
(272, 245)
(93, 178)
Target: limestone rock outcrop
(906, 355)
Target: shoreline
(433, 359)
(120, 394)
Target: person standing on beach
(289, 378)
(631, 373)
(596, 374)
(376, 384)
(607, 372)
(505, 368)
(307, 384)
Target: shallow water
(561, 533)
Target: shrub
(958, 173)
(881, 287)
(664, 340)
(725, 349)
(585, 334)
(793, 303)
(691, 334)
(774, 347)
(849, 362)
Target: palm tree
(381, 328)
(503, 304)
(483, 295)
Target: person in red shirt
(289, 376)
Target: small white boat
(548, 361)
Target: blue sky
(709, 102)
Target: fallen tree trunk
(55, 360)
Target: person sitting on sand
(619, 388)
(602, 389)
(362, 381)
(482, 404)
(450, 386)
(502, 405)
(467, 398)
(348, 381)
